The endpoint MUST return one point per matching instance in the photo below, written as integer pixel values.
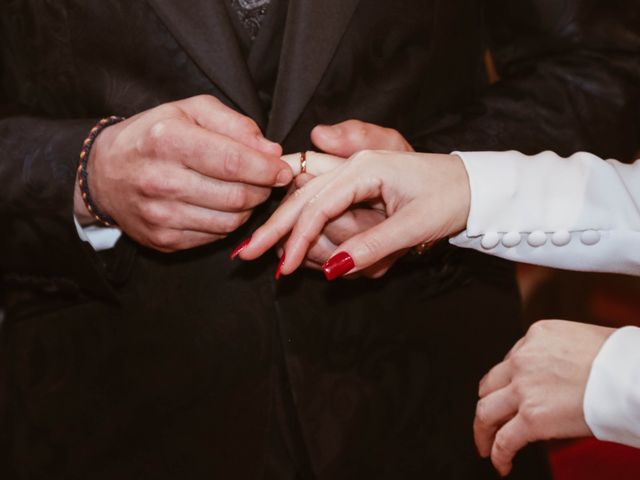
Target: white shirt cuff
(612, 396)
(492, 185)
(100, 238)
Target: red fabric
(591, 459)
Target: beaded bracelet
(83, 172)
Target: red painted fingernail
(279, 269)
(238, 250)
(338, 265)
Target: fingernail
(238, 250)
(284, 177)
(279, 269)
(338, 265)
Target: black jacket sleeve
(39, 244)
(569, 81)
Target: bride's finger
(301, 180)
(396, 233)
(347, 188)
(283, 219)
(315, 164)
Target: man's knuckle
(164, 186)
(538, 328)
(148, 185)
(261, 196)
(159, 139)
(237, 198)
(519, 361)
(528, 414)
(393, 135)
(245, 124)
(353, 124)
(228, 223)
(158, 131)
(171, 186)
(167, 240)
(159, 185)
(142, 146)
(534, 414)
(503, 444)
(481, 412)
(231, 163)
(169, 110)
(207, 100)
(520, 388)
(155, 215)
(360, 130)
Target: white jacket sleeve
(577, 213)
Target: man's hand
(344, 140)
(183, 174)
(537, 392)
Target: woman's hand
(537, 392)
(424, 197)
(344, 140)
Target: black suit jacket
(134, 364)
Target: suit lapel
(203, 29)
(313, 32)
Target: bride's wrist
(461, 197)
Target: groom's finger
(347, 138)
(315, 163)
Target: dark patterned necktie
(251, 14)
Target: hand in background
(183, 174)
(423, 197)
(342, 141)
(537, 392)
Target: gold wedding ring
(303, 162)
(423, 247)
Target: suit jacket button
(590, 237)
(511, 239)
(537, 238)
(561, 238)
(490, 240)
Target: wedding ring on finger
(423, 248)
(303, 162)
